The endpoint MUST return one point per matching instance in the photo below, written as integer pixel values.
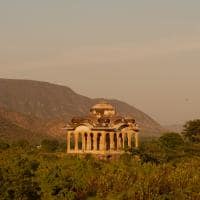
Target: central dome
(103, 109)
(103, 105)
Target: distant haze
(146, 53)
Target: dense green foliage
(192, 130)
(50, 145)
(172, 140)
(166, 168)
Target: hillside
(11, 131)
(29, 127)
(178, 128)
(47, 107)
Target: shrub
(192, 130)
(50, 145)
(171, 140)
(4, 145)
(152, 151)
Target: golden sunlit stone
(103, 131)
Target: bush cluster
(167, 168)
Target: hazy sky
(144, 52)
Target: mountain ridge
(51, 106)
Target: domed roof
(103, 109)
(103, 105)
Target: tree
(4, 145)
(171, 140)
(192, 130)
(62, 146)
(24, 144)
(152, 151)
(18, 180)
(50, 145)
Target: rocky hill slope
(10, 131)
(46, 107)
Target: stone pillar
(117, 144)
(88, 142)
(112, 145)
(118, 141)
(68, 141)
(76, 134)
(123, 140)
(83, 141)
(129, 139)
(136, 140)
(95, 140)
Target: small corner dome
(103, 108)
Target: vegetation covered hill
(54, 105)
(16, 126)
(166, 168)
(9, 131)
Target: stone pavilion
(103, 131)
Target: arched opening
(120, 141)
(125, 141)
(133, 140)
(79, 141)
(115, 141)
(92, 141)
(72, 141)
(85, 141)
(107, 141)
(98, 141)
